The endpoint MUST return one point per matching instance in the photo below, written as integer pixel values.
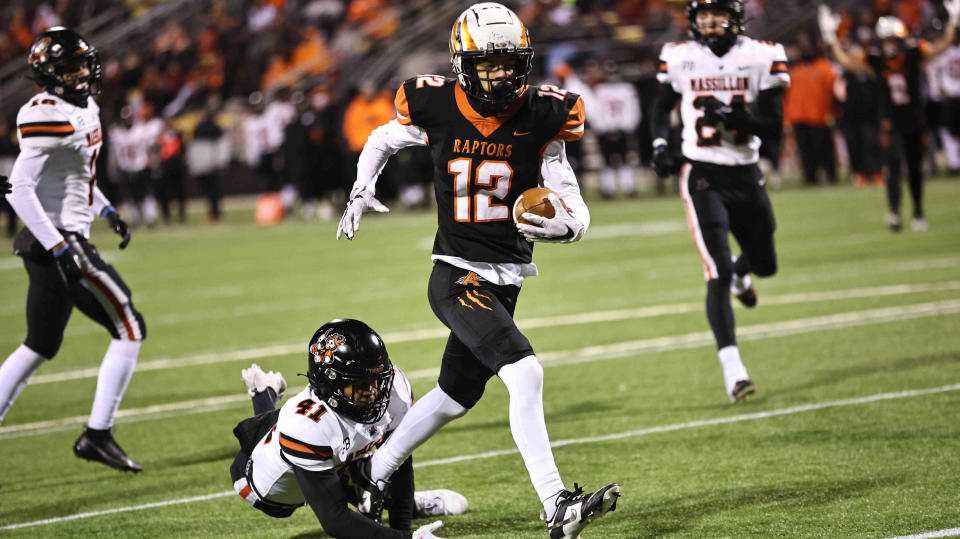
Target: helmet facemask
(502, 91)
(363, 400)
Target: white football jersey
(311, 435)
(736, 78)
(616, 107)
(131, 146)
(949, 72)
(59, 146)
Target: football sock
(115, 372)
(608, 182)
(14, 373)
(264, 401)
(550, 506)
(627, 181)
(733, 369)
(720, 313)
(524, 381)
(431, 412)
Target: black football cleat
(104, 449)
(741, 389)
(575, 510)
(748, 297)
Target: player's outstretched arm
(828, 22)
(324, 494)
(4, 185)
(939, 46)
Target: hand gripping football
(535, 201)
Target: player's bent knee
(46, 348)
(765, 269)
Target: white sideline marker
(561, 443)
(950, 532)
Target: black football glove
(72, 262)
(665, 162)
(118, 225)
(4, 185)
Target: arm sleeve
(768, 121)
(401, 496)
(660, 112)
(383, 142)
(23, 198)
(100, 201)
(324, 493)
(557, 174)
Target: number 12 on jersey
(481, 201)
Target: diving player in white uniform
(55, 194)
(310, 450)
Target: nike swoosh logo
(519, 134)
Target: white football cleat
(438, 503)
(257, 381)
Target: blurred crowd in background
(277, 97)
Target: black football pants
(720, 200)
(906, 145)
(483, 336)
(101, 295)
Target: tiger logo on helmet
(487, 30)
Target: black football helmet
(343, 352)
(488, 30)
(718, 44)
(58, 52)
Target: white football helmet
(484, 30)
(890, 27)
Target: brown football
(535, 201)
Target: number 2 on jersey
(493, 178)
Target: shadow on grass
(685, 512)
(572, 412)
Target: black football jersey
(482, 164)
(901, 76)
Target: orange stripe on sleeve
(573, 128)
(402, 106)
(303, 448)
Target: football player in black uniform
(491, 137)
(730, 89)
(897, 62)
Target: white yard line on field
(560, 443)
(530, 323)
(556, 358)
(950, 532)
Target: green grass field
(855, 349)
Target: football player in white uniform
(56, 196)
(731, 93)
(313, 448)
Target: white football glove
(426, 532)
(360, 201)
(828, 24)
(561, 228)
(953, 10)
